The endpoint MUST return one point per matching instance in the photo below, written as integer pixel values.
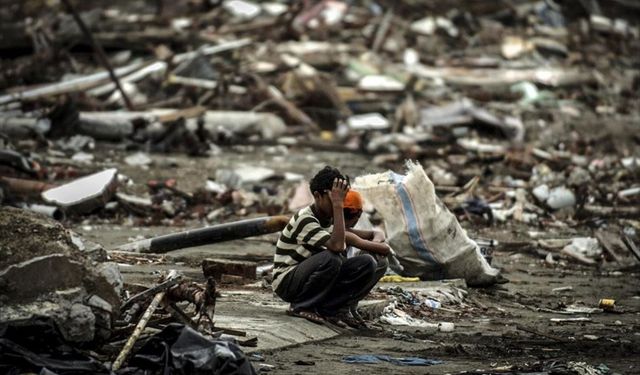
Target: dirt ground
(506, 330)
(501, 329)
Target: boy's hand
(338, 192)
(378, 236)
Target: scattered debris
(176, 119)
(84, 194)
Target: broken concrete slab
(39, 275)
(75, 320)
(84, 194)
(263, 316)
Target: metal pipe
(51, 211)
(208, 235)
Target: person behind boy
(359, 240)
(309, 270)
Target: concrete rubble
(49, 276)
(150, 152)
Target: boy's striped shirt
(301, 238)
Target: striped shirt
(301, 238)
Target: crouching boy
(311, 271)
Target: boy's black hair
(323, 180)
(350, 213)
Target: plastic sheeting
(36, 346)
(181, 350)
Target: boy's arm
(371, 235)
(336, 242)
(367, 245)
(362, 233)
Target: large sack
(427, 237)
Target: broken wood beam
(208, 235)
(217, 267)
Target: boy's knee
(368, 263)
(383, 263)
(331, 260)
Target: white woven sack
(427, 237)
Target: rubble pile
(523, 114)
(55, 283)
(482, 90)
(45, 272)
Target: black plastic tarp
(179, 350)
(36, 346)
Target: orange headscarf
(353, 200)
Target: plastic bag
(429, 241)
(179, 349)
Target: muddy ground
(498, 327)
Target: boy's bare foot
(352, 322)
(336, 321)
(306, 314)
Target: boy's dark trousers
(328, 281)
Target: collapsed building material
(84, 194)
(208, 235)
(203, 84)
(273, 96)
(44, 273)
(162, 286)
(158, 67)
